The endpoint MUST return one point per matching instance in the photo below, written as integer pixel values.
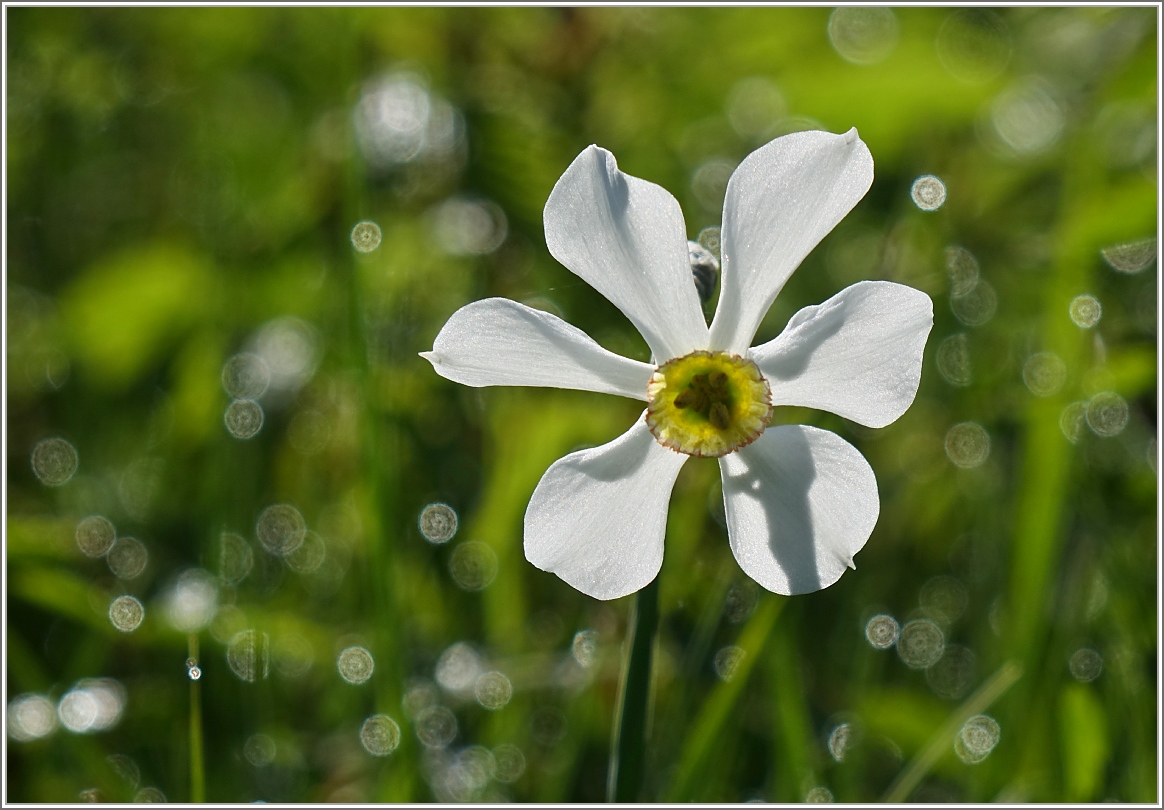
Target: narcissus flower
(799, 501)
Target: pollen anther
(718, 415)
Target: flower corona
(708, 403)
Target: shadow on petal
(778, 510)
(800, 502)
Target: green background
(182, 185)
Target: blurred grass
(697, 761)
(181, 187)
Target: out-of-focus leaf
(61, 592)
(1084, 738)
(197, 393)
(40, 537)
(1103, 215)
(1130, 371)
(122, 313)
(906, 717)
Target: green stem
(625, 780)
(197, 768)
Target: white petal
(501, 342)
(781, 201)
(626, 238)
(800, 503)
(858, 355)
(598, 516)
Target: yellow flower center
(708, 403)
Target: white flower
(800, 501)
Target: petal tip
(852, 135)
(597, 152)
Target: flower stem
(628, 749)
(197, 769)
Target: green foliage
(1083, 726)
(124, 312)
(182, 186)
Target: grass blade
(908, 779)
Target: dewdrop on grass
(438, 523)
(366, 236)
(95, 536)
(928, 192)
(493, 690)
(243, 418)
(355, 665)
(246, 376)
(281, 529)
(54, 461)
(127, 558)
(126, 613)
(436, 727)
(882, 631)
(977, 738)
(380, 735)
(921, 644)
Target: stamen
(719, 415)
